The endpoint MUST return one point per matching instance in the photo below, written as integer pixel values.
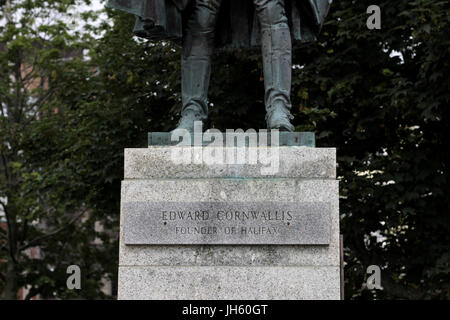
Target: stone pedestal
(226, 231)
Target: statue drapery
(237, 27)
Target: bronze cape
(238, 26)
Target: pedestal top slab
(195, 162)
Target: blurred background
(76, 88)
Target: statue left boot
(278, 117)
(277, 63)
(195, 74)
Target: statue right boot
(277, 64)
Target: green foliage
(45, 190)
(389, 91)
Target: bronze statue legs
(198, 46)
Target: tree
(381, 97)
(41, 190)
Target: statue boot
(277, 64)
(195, 76)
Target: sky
(96, 4)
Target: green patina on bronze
(286, 139)
(237, 25)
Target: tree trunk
(11, 287)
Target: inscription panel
(175, 223)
